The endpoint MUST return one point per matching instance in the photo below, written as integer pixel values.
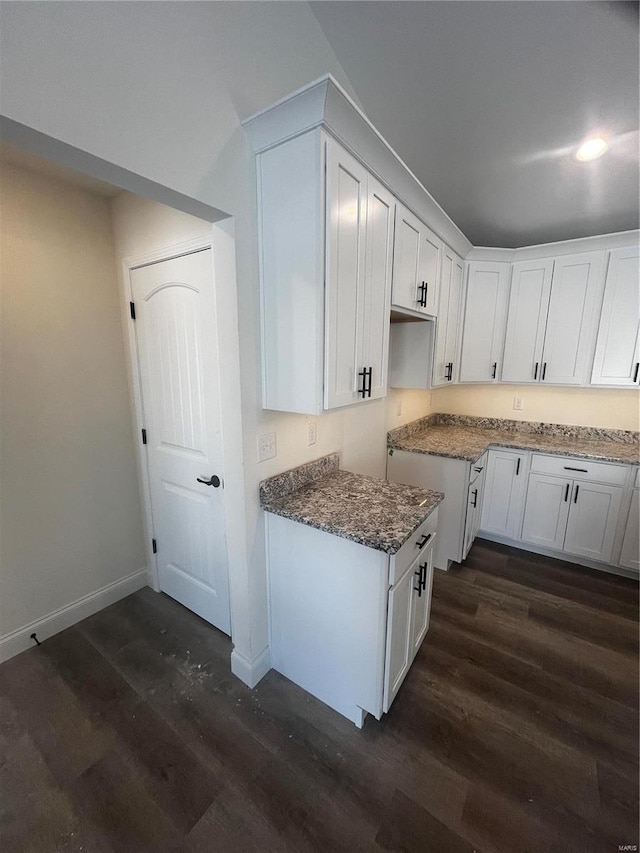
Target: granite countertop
(367, 510)
(461, 438)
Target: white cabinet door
(630, 554)
(429, 271)
(484, 321)
(546, 510)
(526, 321)
(345, 260)
(446, 368)
(617, 358)
(421, 604)
(593, 516)
(576, 296)
(474, 504)
(504, 493)
(376, 287)
(416, 265)
(399, 652)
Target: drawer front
(416, 544)
(579, 469)
(477, 468)
(636, 482)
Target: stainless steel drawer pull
(582, 470)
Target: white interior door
(177, 357)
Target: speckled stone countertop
(366, 510)
(467, 438)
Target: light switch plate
(266, 446)
(312, 432)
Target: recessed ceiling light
(591, 149)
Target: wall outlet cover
(518, 404)
(312, 432)
(266, 446)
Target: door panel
(398, 654)
(429, 270)
(617, 358)
(576, 295)
(546, 510)
(630, 554)
(528, 307)
(421, 605)
(177, 358)
(405, 261)
(376, 294)
(448, 321)
(346, 220)
(503, 493)
(484, 321)
(592, 520)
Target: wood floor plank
(407, 826)
(516, 731)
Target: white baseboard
(20, 640)
(251, 671)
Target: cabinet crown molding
(616, 240)
(324, 103)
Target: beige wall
(70, 521)
(598, 407)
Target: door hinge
(144, 436)
(132, 310)
(154, 546)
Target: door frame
(219, 239)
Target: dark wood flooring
(515, 731)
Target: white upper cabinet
(576, 296)
(484, 321)
(376, 287)
(345, 259)
(617, 358)
(359, 255)
(551, 329)
(416, 265)
(325, 301)
(446, 367)
(526, 322)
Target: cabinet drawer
(579, 469)
(415, 544)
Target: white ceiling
(485, 102)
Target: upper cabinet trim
(324, 103)
(617, 240)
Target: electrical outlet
(518, 404)
(266, 446)
(399, 407)
(312, 432)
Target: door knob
(214, 481)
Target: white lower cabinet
(546, 511)
(409, 608)
(573, 514)
(346, 621)
(504, 492)
(474, 504)
(630, 553)
(459, 513)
